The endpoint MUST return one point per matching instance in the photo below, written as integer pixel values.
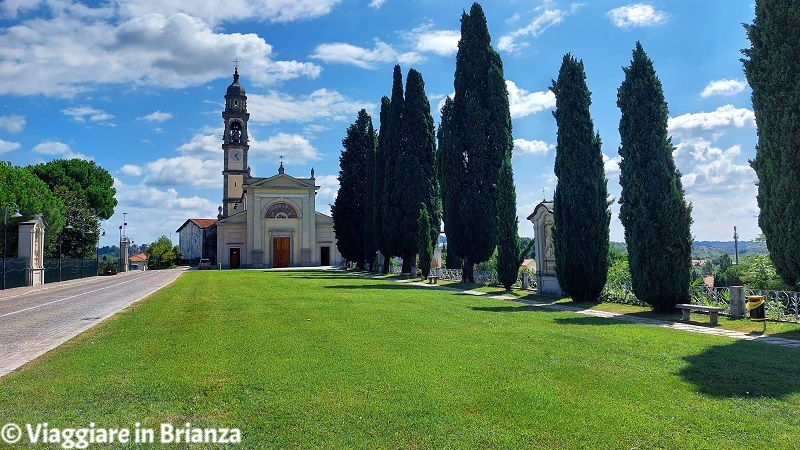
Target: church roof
(235, 88)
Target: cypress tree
(772, 67)
(656, 217)
(480, 137)
(419, 170)
(394, 177)
(508, 252)
(380, 170)
(348, 210)
(370, 244)
(451, 183)
(580, 203)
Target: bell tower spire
(235, 145)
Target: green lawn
(328, 360)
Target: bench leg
(712, 315)
(685, 315)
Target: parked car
(204, 264)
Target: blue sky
(137, 86)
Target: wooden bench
(712, 311)
(432, 279)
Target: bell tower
(234, 146)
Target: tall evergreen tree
(580, 203)
(348, 210)
(394, 146)
(449, 166)
(653, 210)
(772, 67)
(380, 171)
(370, 245)
(479, 137)
(508, 252)
(418, 167)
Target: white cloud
(202, 145)
(83, 113)
(524, 147)
(68, 53)
(725, 117)
(184, 170)
(523, 103)
(376, 3)
(320, 104)
(440, 42)
(364, 58)
(12, 124)
(723, 87)
(636, 15)
(6, 146)
(60, 150)
(546, 19)
(278, 11)
(296, 149)
(329, 188)
(611, 165)
(157, 116)
(130, 170)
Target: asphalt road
(34, 320)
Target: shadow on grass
(744, 369)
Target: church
(266, 222)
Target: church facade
(266, 222)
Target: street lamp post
(5, 226)
(97, 253)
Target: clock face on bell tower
(235, 146)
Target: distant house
(197, 239)
(138, 261)
(528, 263)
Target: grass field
(328, 360)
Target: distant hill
(713, 249)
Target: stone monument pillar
(542, 218)
(124, 259)
(31, 246)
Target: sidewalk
(792, 343)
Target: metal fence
(778, 305)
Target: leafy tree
(508, 252)
(82, 230)
(349, 208)
(89, 181)
(163, 253)
(580, 204)
(393, 147)
(656, 217)
(378, 194)
(425, 244)
(476, 129)
(32, 196)
(772, 67)
(725, 262)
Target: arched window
(281, 210)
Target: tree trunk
(407, 264)
(468, 271)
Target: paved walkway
(716, 331)
(37, 319)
